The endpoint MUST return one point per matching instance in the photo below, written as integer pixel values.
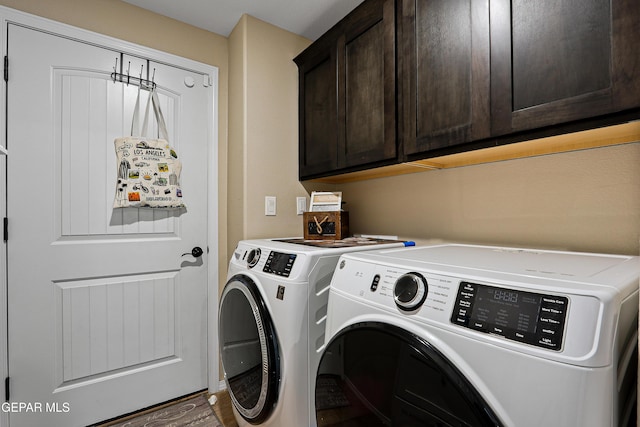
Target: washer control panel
(531, 318)
(572, 321)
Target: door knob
(196, 252)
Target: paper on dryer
(325, 201)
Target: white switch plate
(301, 205)
(270, 205)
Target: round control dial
(410, 291)
(253, 257)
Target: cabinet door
(317, 108)
(444, 73)
(366, 85)
(556, 61)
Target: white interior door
(104, 314)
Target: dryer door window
(374, 374)
(249, 350)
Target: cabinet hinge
(5, 228)
(6, 389)
(6, 68)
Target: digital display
(528, 317)
(506, 296)
(501, 309)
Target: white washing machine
(272, 324)
(460, 335)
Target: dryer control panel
(279, 263)
(531, 318)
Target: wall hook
(138, 81)
(115, 71)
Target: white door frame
(209, 72)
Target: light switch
(301, 205)
(270, 205)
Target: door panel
(318, 120)
(542, 74)
(92, 108)
(367, 86)
(249, 349)
(555, 62)
(105, 315)
(444, 74)
(115, 323)
(381, 375)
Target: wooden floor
(223, 410)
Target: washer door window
(374, 374)
(249, 349)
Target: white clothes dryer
(464, 335)
(272, 324)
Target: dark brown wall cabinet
(470, 74)
(317, 110)
(444, 73)
(347, 110)
(557, 61)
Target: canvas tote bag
(148, 170)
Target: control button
(549, 343)
(550, 320)
(554, 308)
(551, 310)
(464, 304)
(468, 287)
(253, 258)
(374, 284)
(560, 302)
(461, 320)
(410, 291)
(478, 325)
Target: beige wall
(121, 20)
(263, 131)
(584, 201)
(237, 134)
